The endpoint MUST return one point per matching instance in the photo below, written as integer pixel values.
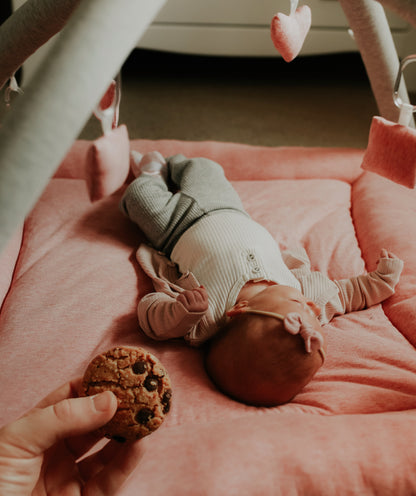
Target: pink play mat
(71, 285)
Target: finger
(42, 428)
(203, 292)
(59, 470)
(68, 390)
(114, 474)
(183, 297)
(384, 253)
(202, 298)
(191, 297)
(80, 445)
(91, 465)
(200, 301)
(197, 295)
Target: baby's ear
(237, 309)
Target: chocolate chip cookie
(142, 387)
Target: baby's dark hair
(254, 360)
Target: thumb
(42, 428)
(384, 253)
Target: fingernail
(102, 401)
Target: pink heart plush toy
(108, 163)
(391, 152)
(288, 33)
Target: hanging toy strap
(293, 7)
(406, 109)
(13, 87)
(107, 110)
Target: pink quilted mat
(71, 287)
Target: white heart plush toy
(288, 33)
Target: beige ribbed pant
(164, 215)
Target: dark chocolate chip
(119, 439)
(140, 367)
(144, 415)
(151, 383)
(166, 399)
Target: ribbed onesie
(226, 249)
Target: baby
(221, 279)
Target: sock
(151, 163)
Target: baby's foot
(151, 163)
(135, 158)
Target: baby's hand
(389, 264)
(194, 300)
(386, 254)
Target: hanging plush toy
(108, 159)
(391, 150)
(288, 33)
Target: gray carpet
(313, 101)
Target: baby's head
(270, 348)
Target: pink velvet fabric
(288, 33)
(8, 261)
(108, 163)
(75, 289)
(391, 151)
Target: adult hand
(40, 452)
